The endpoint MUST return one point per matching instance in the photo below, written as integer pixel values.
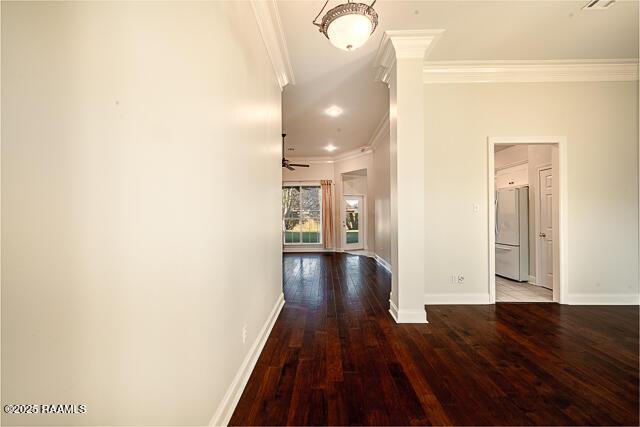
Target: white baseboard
(232, 396)
(532, 280)
(360, 252)
(293, 249)
(393, 309)
(603, 299)
(407, 316)
(305, 249)
(382, 262)
(454, 299)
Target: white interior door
(545, 233)
(352, 223)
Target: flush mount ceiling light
(348, 26)
(330, 147)
(333, 111)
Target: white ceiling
(476, 30)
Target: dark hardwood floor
(336, 357)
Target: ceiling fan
(285, 162)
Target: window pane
(301, 212)
(310, 198)
(311, 224)
(311, 230)
(291, 202)
(352, 204)
(311, 214)
(292, 237)
(292, 225)
(351, 220)
(292, 230)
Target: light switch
(476, 207)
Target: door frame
(538, 214)
(560, 243)
(362, 220)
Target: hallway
(336, 357)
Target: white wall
(381, 176)
(353, 184)
(124, 248)
(393, 183)
(600, 123)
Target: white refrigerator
(512, 233)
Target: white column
(401, 58)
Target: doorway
(352, 222)
(527, 219)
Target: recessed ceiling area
(328, 77)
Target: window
(301, 214)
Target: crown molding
(311, 160)
(384, 61)
(353, 154)
(381, 129)
(402, 44)
(348, 155)
(591, 70)
(268, 19)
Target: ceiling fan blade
(300, 166)
(289, 167)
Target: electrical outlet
(456, 279)
(244, 334)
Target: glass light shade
(349, 32)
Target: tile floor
(512, 291)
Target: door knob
(542, 235)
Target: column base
(407, 316)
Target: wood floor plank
(336, 357)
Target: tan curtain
(327, 213)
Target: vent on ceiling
(599, 4)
